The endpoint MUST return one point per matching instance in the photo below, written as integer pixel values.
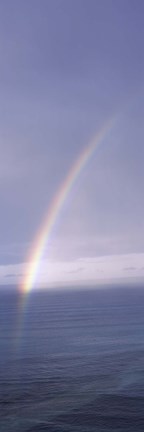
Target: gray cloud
(75, 270)
(130, 268)
(11, 275)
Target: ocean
(72, 361)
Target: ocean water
(72, 361)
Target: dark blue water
(74, 363)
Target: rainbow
(44, 232)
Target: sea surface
(72, 361)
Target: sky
(66, 68)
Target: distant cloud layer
(92, 271)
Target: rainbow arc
(49, 221)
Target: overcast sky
(66, 67)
